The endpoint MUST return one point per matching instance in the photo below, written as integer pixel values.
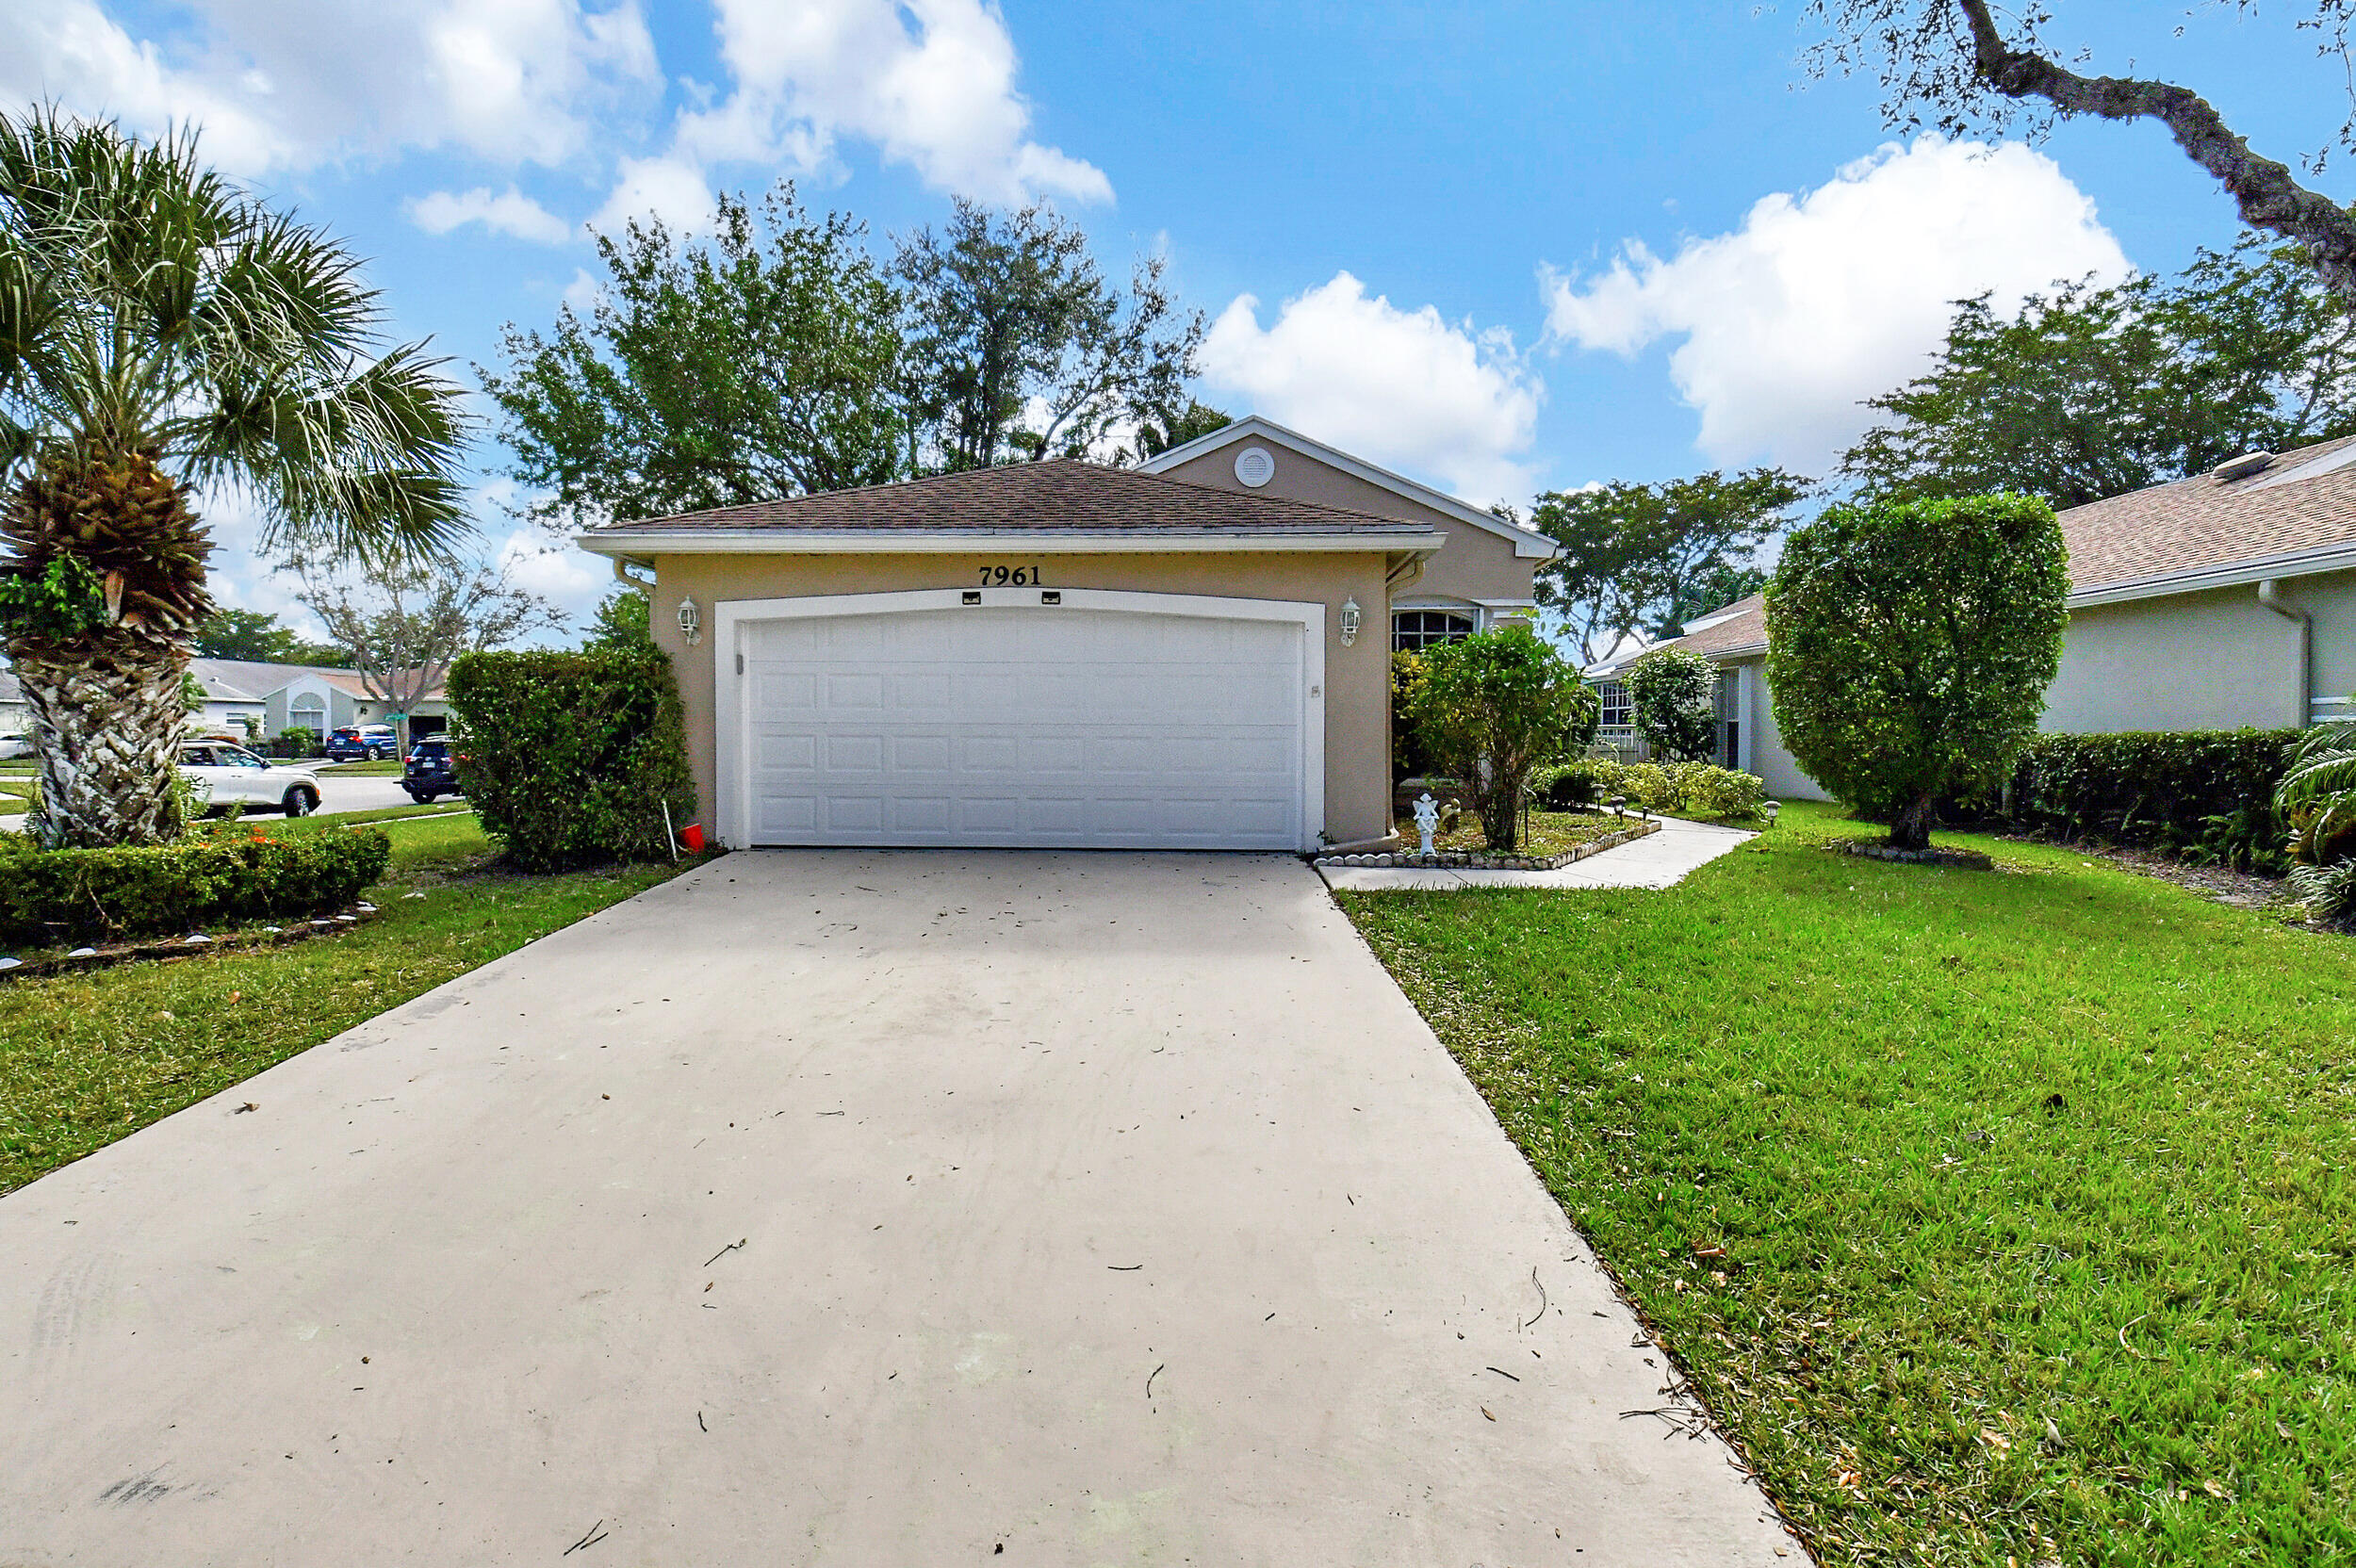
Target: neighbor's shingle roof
(1063, 495)
(2305, 499)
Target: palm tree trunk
(107, 722)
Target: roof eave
(2230, 574)
(706, 541)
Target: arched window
(1413, 631)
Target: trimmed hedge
(569, 759)
(2207, 794)
(49, 895)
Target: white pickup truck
(226, 776)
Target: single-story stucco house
(1061, 653)
(2216, 602)
(318, 697)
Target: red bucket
(692, 837)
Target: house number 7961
(1015, 577)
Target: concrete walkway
(852, 1207)
(1657, 861)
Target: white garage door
(1025, 726)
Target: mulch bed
(1953, 859)
(1481, 860)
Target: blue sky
(1497, 247)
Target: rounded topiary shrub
(1910, 648)
(569, 759)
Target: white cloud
(512, 213)
(1406, 389)
(571, 579)
(929, 82)
(672, 189)
(1841, 293)
(297, 83)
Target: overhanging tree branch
(2263, 190)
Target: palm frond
(149, 305)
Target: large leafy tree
(1641, 560)
(403, 631)
(257, 635)
(162, 331)
(1018, 347)
(2091, 392)
(1910, 645)
(756, 364)
(1966, 65)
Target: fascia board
(2236, 573)
(910, 542)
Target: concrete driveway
(852, 1207)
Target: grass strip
(1997, 1215)
(86, 1059)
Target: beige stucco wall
(1763, 743)
(1357, 678)
(2214, 660)
(2210, 661)
(1473, 564)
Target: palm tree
(162, 331)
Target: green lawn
(85, 1059)
(2033, 1186)
(389, 768)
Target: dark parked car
(364, 743)
(430, 772)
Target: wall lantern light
(1353, 618)
(691, 625)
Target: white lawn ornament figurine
(1427, 820)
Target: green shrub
(2328, 891)
(571, 758)
(1491, 708)
(2207, 794)
(1682, 789)
(1674, 694)
(1910, 645)
(60, 894)
(1565, 786)
(297, 740)
(1407, 758)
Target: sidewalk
(1658, 860)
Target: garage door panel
(1019, 726)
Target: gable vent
(2242, 466)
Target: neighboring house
(1481, 579)
(1047, 653)
(319, 698)
(15, 718)
(2223, 600)
(227, 704)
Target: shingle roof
(2304, 499)
(1063, 495)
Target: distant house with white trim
(318, 697)
(2222, 602)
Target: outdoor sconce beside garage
(691, 623)
(1353, 618)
